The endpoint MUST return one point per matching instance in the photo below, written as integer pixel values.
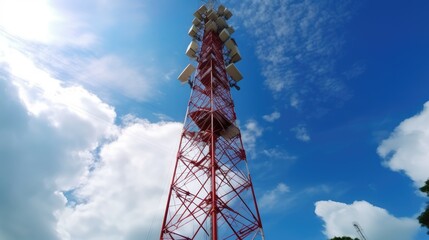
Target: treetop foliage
(424, 217)
(344, 238)
(425, 188)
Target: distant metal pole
(359, 231)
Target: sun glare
(28, 19)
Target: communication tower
(211, 195)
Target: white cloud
(298, 46)
(376, 222)
(272, 197)
(272, 117)
(407, 148)
(301, 133)
(125, 196)
(51, 152)
(46, 96)
(48, 135)
(251, 132)
(26, 142)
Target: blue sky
(333, 109)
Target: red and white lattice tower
(211, 195)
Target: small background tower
(359, 231)
(211, 195)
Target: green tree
(344, 238)
(424, 217)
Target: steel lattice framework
(211, 194)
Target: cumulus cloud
(124, 196)
(61, 187)
(48, 135)
(376, 222)
(407, 147)
(22, 138)
(271, 117)
(47, 96)
(298, 47)
(301, 133)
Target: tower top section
(212, 17)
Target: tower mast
(211, 195)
